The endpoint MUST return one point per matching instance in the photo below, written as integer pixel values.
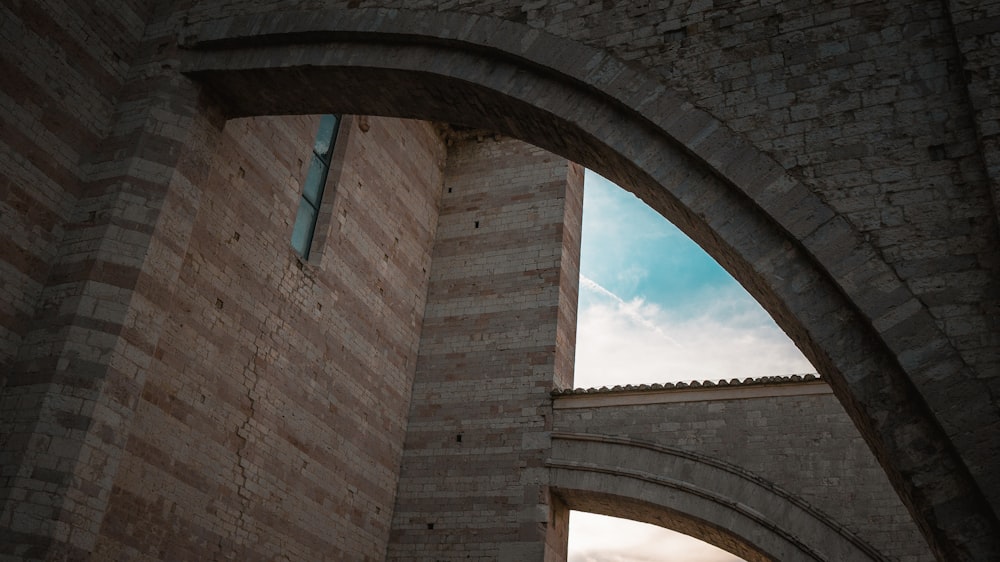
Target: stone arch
(816, 275)
(701, 496)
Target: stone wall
(271, 421)
(64, 64)
(271, 424)
(501, 299)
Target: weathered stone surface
(497, 338)
(769, 468)
(258, 406)
(840, 159)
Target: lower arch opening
(596, 538)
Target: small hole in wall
(430, 525)
(218, 303)
(477, 224)
(458, 438)
(449, 190)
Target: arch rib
(753, 512)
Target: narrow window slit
(312, 189)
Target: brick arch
(816, 275)
(706, 498)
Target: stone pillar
(498, 335)
(973, 27)
(68, 402)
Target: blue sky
(643, 256)
(654, 307)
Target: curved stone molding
(765, 521)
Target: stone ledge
(749, 381)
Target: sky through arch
(655, 308)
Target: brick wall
(63, 64)
(472, 483)
(976, 24)
(271, 424)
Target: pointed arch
(808, 266)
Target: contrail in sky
(631, 309)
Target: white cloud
(634, 342)
(590, 537)
(635, 312)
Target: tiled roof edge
(749, 381)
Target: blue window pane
(305, 224)
(312, 190)
(324, 138)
